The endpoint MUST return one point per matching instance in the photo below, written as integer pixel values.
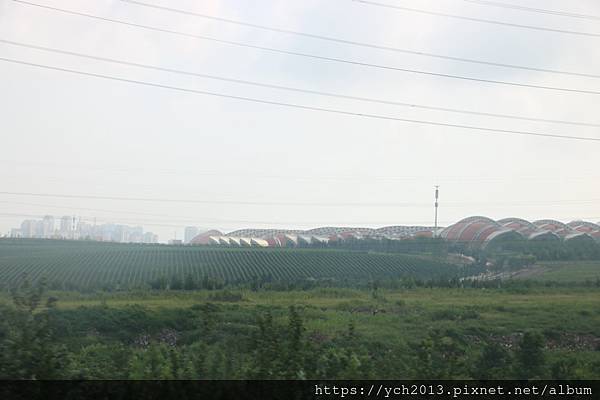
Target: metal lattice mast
(437, 194)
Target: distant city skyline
(74, 228)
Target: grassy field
(562, 271)
(390, 313)
(92, 264)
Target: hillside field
(562, 271)
(73, 264)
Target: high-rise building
(190, 233)
(48, 227)
(31, 228)
(66, 227)
(85, 231)
(75, 228)
(150, 237)
(120, 234)
(136, 235)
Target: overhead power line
(129, 213)
(356, 43)
(193, 220)
(92, 219)
(197, 201)
(303, 204)
(314, 56)
(580, 175)
(294, 89)
(285, 225)
(473, 19)
(532, 9)
(304, 107)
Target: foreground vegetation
(512, 332)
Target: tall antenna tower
(437, 196)
(73, 227)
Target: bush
(454, 315)
(226, 295)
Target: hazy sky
(75, 135)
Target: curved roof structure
(520, 225)
(502, 235)
(204, 237)
(477, 218)
(327, 231)
(595, 235)
(320, 239)
(260, 233)
(578, 236)
(274, 242)
(584, 226)
(478, 230)
(550, 222)
(427, 233)
(292, 239)
(233, 241)
(483, 230)
(471, 229)
(304, 239)
(557, 227)
(544, 235)
(259, 242)
(402, 231)
(485, 233)
(332, 230)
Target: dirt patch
(530, 272)
(575, 342)
(565, 341)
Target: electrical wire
(481, 130)
(473, 19)
(182, 219)
(313, 56)
(360, 44)
(295, 89)
(317, 204)
(531, 9)
(444, 178)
